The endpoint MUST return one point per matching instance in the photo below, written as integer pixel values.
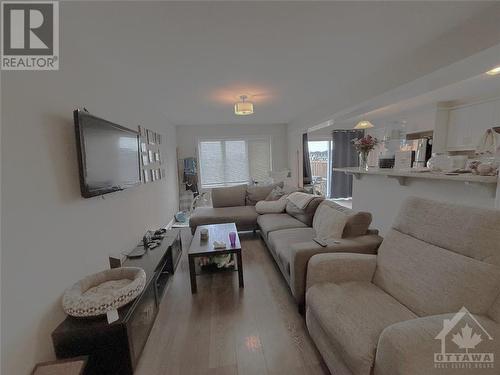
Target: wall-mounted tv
(108, 155)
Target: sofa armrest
(302, 252)
(409, 347)
(339, 267)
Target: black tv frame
(80, 148)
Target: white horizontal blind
(260, 158)
(229, 162)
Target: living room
(237, 125)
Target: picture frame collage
(150, 155)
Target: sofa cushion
(245, 217)
(272, 222)
(353, 315)
(328, 222)
(259, 193)
(305, 215)
(232, 196)
(331, 358)
(469, 231)
(430, 280)
(281, 241)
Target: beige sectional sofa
(386, 314)
(289, 235)
(235, 204)
(289, 238)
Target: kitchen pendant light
(243, 108)
(364, 125)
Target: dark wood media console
(114, 349)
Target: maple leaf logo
(466, 339)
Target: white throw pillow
(329, 222)
(271, 207)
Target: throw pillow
(280, 191)
(329, 222)
(275, 194)
(271, 207)
(304, 215)
(259, 193)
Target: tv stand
(115, 349)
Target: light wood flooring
(224, 330)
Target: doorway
(320, 152)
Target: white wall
(51, 237)
(187, 139)
(383, 196)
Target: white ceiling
(192, 59)
(474, 89)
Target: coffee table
(205, 248)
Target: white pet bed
(104, 291)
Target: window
(228, 162)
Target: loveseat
(395, 313)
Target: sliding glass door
(320, 152)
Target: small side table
(199, 248)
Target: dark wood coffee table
(200, 248)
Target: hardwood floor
(224, 330)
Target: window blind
(229, 162)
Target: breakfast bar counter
(402, 175)
(381, 191)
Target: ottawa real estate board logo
(464, 344)
(30, 35)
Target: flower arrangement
(363, 146)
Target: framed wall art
(151, 160)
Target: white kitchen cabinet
(458, 129)
(467, 124)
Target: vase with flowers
(363, 146)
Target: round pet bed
(104, 291)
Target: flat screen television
(108, 155)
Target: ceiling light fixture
(243, 108)
(364, 125)
(494, 71)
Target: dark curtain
(306, 162)
(344, 155)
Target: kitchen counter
(382, 191)
(403, 175)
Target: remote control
(320, 242)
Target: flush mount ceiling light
(494, 71)
(364, 125)
(243, 108)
